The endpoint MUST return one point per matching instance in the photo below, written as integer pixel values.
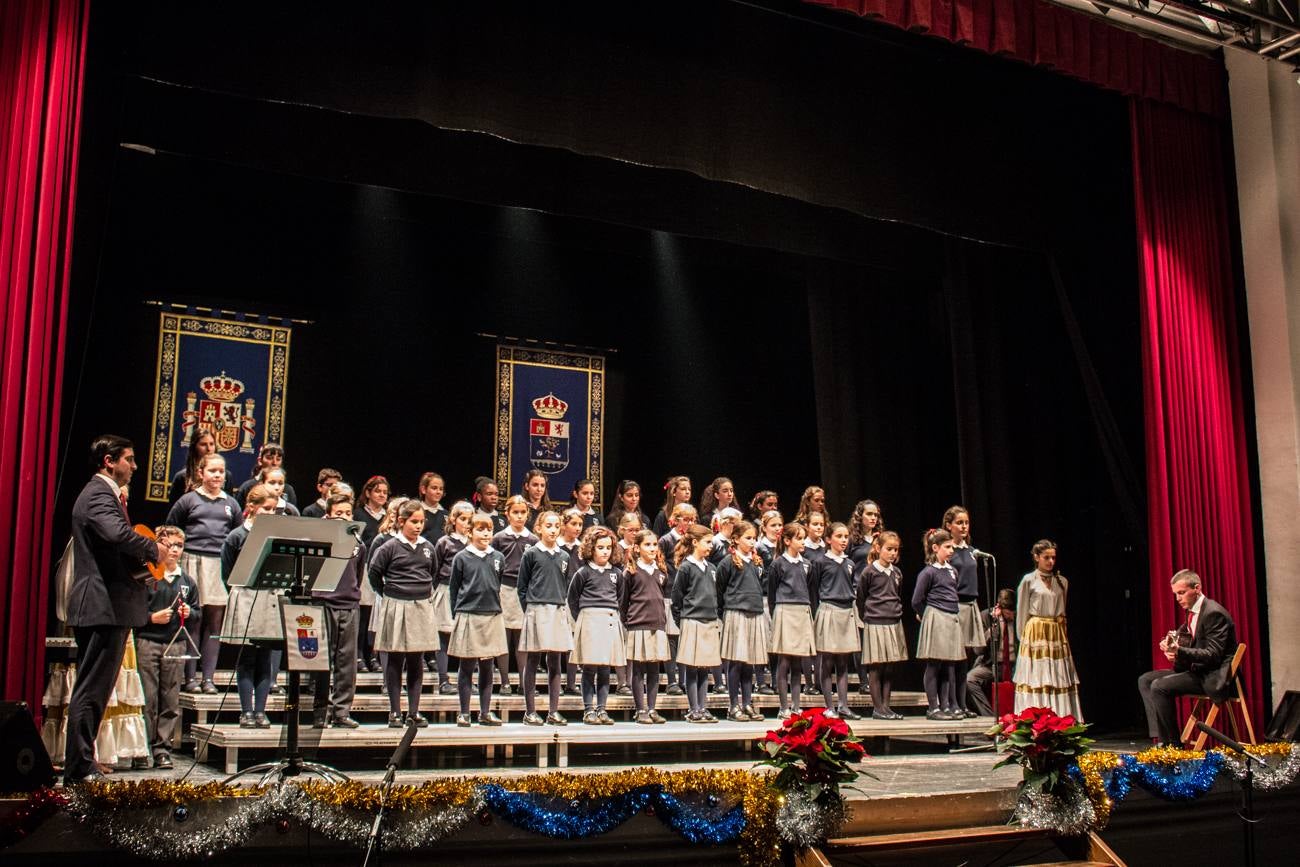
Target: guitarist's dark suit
(1201, 667)
(104, 603)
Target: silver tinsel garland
(159, 835)
(1279, 773)
(1069, 812)
(803, 822)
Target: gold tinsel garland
(759, 845)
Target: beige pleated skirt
(547, 629)
(940, 637)
(746, 636)
(511, 610)
(972, 626)
(792, 630)
(835, 630)
(252, 615)
(367, 592)
(405, 626)
(882, 643)
(672, 628)
(476, 636)
(205, 569)
(647, 645)
(598, 638)
(700, 643)
(442, 618)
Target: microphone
(984, 555)
(1224, 739)
(404, 746)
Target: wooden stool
(1238, 701)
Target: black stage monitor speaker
(24, 763)
(1285, 724)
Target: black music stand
(298, 555)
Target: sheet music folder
(270, 555)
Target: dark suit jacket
(103, 592)
(1209, 654)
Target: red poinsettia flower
(854, 747)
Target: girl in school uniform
(444, 552)
(252, 618)
(534, 494)
(763, 501)
(373, 502)
(957, 522)
(746, 633)
(512, 542)
(815, 543)
(695, 604)
(717, 495)
(431, 489)
(940, 643)
(627, 500)
(574, 522)
(479, 634)
(274, 478)
(792, 627)
(881, 608)
(402, 571)
(189, 478)
(548, 631)
(683, 516)
(813, 500)
(724, 525)
(769, 547)
(835, 629)
(389, 528)
(598, 643)
(486, 497)
(865, 523)
(584, 500)
(677, 490)
(207, 515)
(642, 611)
(629, 525)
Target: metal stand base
(278, 772)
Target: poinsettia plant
(813, 752)
(1043, 743)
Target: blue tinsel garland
(1182, 781)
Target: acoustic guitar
(144, 570)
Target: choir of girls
(762, 605)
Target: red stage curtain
(1079, 45)
(1199, 513)
(42, 53)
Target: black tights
(209, 642)
(697, 687)
(740, 683)
(880, 677)
(960, 670)
(784, 682)
(645, 684)
(595, 686)
(835, 666)
(465, 684)
(940, 691)
(413, 665)
(554, 674)
(503, 661)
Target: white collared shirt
(112, 485)
(691, 558)
(464, 540)
(401, 537)
(837, 558)
(473, 549)
(787, 556)
(1195, 619)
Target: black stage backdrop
(818, 252)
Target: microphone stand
(372, 840)
(1247, 813)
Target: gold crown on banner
(305, 620)
(221, 387)
(550, 407)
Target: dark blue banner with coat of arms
(550, 416)
(223, 376)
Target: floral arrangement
(813, 752)
(1044, 744)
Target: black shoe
(319, 719)
(969, 714)
(421, 721)
(605, 719)
(162, 762)
(737, 714)
(246, 721)
(208, 688)
(849, 713)
(556, 719)
(446, 688)
(675, 689)
(344, 722)
(591, 718)
(277, 690)
(193, 687)
(92, 777)
(754, 715)
(832, 713)
(431, 664)
(936, 715)
(643, 717)
(766, 690)
(395, 721)
(533, 719)
(260, 721)
(463, 720)
(372, 664)
(625, 689)
(864, 688)
(140, 763)
(489, 719)
(656, 718)
(571, 690)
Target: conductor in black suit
(105, 600)
(1202, 656)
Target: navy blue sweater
(575, 561)
(543, 577)
(787, 583)
(400, 570)
(347, 594)
(740, 588)
(435, 523)
(443, 553)
(831, 583)
(879, 602)
(512, 549)
(475, 584)
(595, 587)
(968, 584)
(163, 595)
(641, 601)
(935, 586)
(206, 522)
(695, 592)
